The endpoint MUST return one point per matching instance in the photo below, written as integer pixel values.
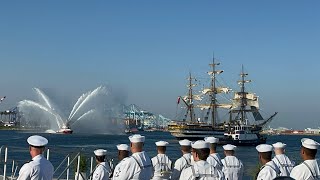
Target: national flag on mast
(178, 100)
(2, 98)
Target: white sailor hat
(185, 142)
(279, 145)
(162, 143)
(37, 141)
(309, 143)
(100, 152)
(200, 145)
(136, 138)
(264, 148)
(229, 147)
(211, 140)
(123, 147)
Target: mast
(190, 98)
(244, 99)
(243, 94)
(247, 102)
(211, 92)
(214, 92)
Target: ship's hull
(65, 131)
(200, 131)
(252, 142)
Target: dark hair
(266, 155)
(100, 158)
(122, 154)
(186, 148)
(162, 149)
(229, 152)
(310, 152)
(202, 153)
(213, 146)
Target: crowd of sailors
(199, 160)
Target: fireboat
(65, 129)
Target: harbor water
(61, 145)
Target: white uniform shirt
(307, 169)
(162, 166)
(203, 170)
(269, 171)
(284, 164)
(38, 168)
(118, 168)
(180, 164)
(232, 168)
(137, 166)
(215, 160)
(102, 172)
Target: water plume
(95, 111)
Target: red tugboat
(65, 130)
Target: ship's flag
(178, 100)
(2, 98)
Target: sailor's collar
(138, 153)
(270, 163)
(102, 163)
(201, 162)
(39, 156)
(278, 155)
(187, 154)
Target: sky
(144, 50)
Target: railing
(67, 162)
(14, 165)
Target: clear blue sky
(146, 48)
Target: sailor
(232, 166)
(161, 163)
(184, 161)
(309, 168)
(214, 158)
(201, 168)
(138, 165)
(281, 160)
(269, 169)
(39, 167)
(123, 154)
(102, 170)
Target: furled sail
(194, 97)
(218, 90)
(245, 81)
(208, 106)
(215, 72)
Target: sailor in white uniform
(214, 158)
(281, 160)
(161, 163)
(201, 168)
(123, 154)
(269, 170)
(39, 167)
(102, 170)
(309, 169)
(138, 165)
(232, 166)
(184, 161)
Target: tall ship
(202, 118)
